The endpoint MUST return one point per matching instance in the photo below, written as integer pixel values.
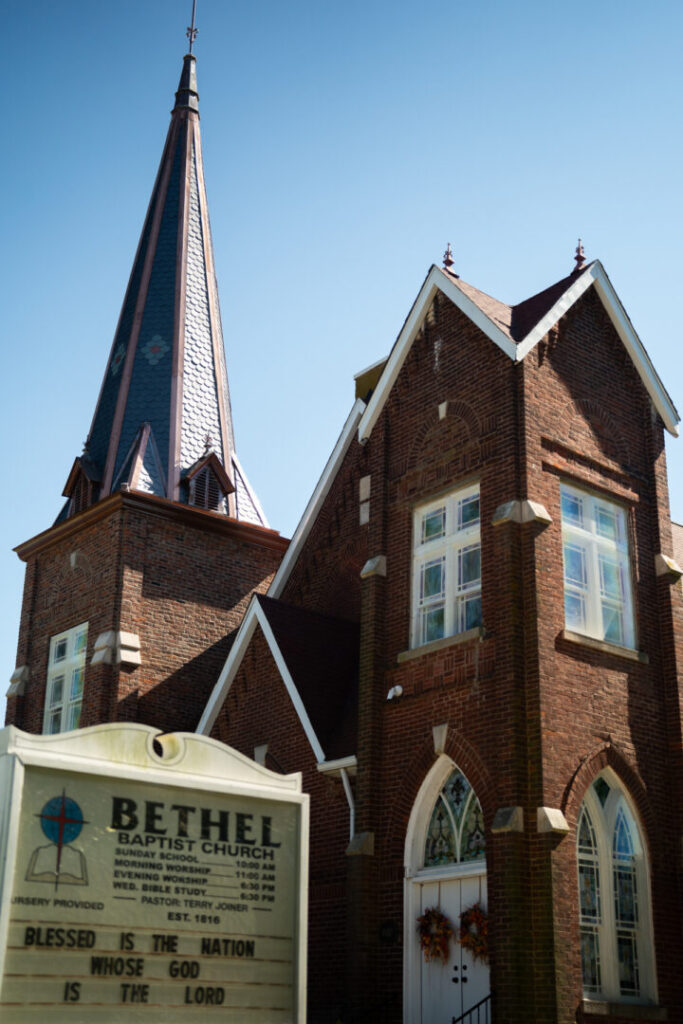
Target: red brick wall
(57, 597)
(179, 579)
(532, 719)
(589, 421)
(327, 579)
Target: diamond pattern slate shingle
(200, 414)
(104, 414)
(246, 509)
(149, 396)
(151, 478)
(322, 655)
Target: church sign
(148, 878)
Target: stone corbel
(665, 566)
(521, 512)
(551, 819)
(439, 734)
(117, 648)
(508, 819)
(18, 681)
(376, 566)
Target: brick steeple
(163, 423)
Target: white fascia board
(595, 274)
(565, 302)
(636, 350)
(229, 670)
(435, 281)
(255, 616)
(294, 694)
(317, 498)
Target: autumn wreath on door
(435, 931)
(474, 932)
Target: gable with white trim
(495, 320)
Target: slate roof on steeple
(165, 388)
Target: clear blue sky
(345, 145)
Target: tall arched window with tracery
(614, 905)
(456, 828)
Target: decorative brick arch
(459, 424)
(339, 580)
(607, 755)
(594, 431)
(464, 756)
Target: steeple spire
(166, 386)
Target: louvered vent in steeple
(81, 495)
(206, 492)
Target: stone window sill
(633, 1011)
(438, 645)
(604, 646)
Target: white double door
(449, 990)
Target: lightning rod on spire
(191, 30)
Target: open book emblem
(61, 820)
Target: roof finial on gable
(208, 444)
(579, 257)
(448, 260)
(191, 30)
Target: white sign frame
(126, 752)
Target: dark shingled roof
(321, 654)
(516, 321)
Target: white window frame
(603, 820)
(65, 680)
(445, 557)
(598, 589)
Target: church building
(472, 647)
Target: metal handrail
(480, 1013)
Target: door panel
(448, 990)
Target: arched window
(456, 828)
(614, 911)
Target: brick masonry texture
(180, 580)
(532, 718)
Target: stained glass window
(597, 568)
(446, 567)
(611, 875)
(65, 680)
(456, 827)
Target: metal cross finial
(448, 260)
(579, 257)
(208, 444)
(191, 30)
